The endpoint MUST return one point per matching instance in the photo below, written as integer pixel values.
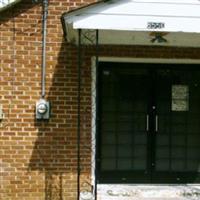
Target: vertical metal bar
(156, 126)
(170, 124)
(147, 123)
(97, 97)
(78, 113)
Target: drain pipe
(42, 106)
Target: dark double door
(149, 127)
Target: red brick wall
(38, 159)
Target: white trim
(140, 15)
(134, 38)
(149, 60)
(93, 91)
(93, 117)
(7, 3)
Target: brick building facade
(36, 154)
(39, 158)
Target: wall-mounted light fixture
(158, 37)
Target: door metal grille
(141, 138)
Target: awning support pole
(96, 131)
(79, 112)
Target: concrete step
(147, 192)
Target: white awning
(168, 16)
(139, 15)
(4, 4)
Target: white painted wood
(113, 37)
(139, 15)
(7, 3)
(147, 60)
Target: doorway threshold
(148, 191)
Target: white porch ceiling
(133, 21)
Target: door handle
(147, 123)
(156, 120)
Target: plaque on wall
(180, 98)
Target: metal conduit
(44, 34)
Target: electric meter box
(42, 109)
